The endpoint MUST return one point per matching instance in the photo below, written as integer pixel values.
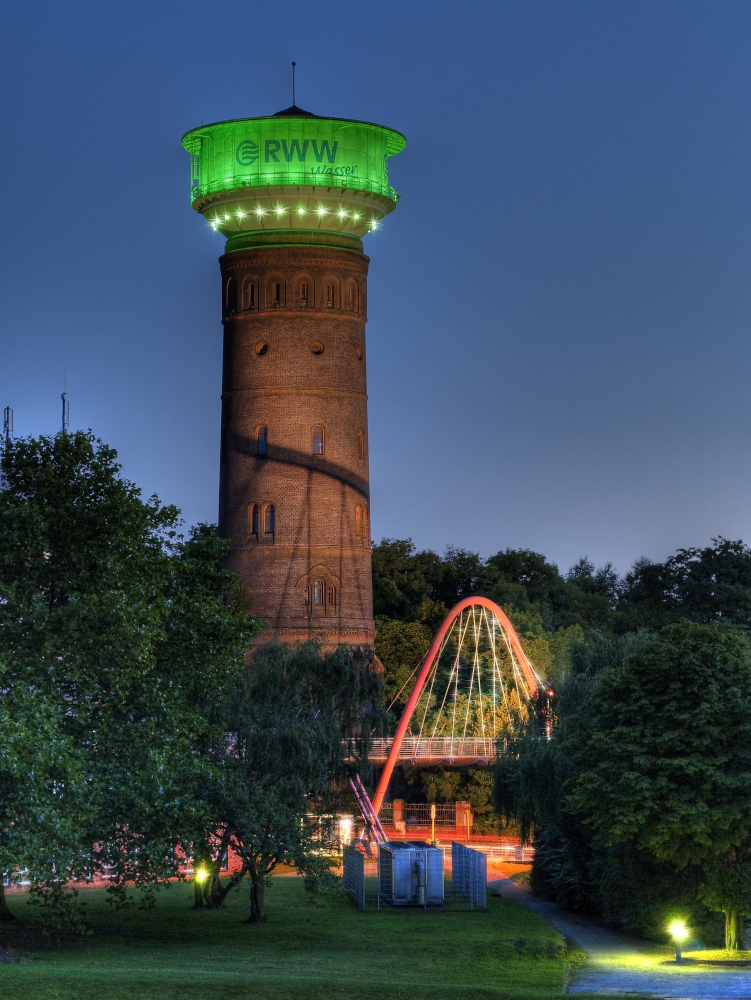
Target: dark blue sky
(559, 308)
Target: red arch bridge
(473, 687)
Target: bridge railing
(439, 748)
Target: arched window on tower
(332, 596)
(318, 440)
(361, 444)
(277, 293)
(262, 441)
(231, 297)
(269, 519)
(353, 297)
(330, 296)
(358, 521)
(318, 593)
(252, 295)
(253, 521)
(303, 293)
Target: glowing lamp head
(678, 930)
(345, 829)
(201, 875)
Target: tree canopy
(662, 759)
(300, 723)
(120, 639)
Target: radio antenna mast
(66, 412)
(293, 83)
(7, 423)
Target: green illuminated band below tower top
(294, 173)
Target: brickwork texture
(294, 484)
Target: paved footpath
(617, 963)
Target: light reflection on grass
(718, 955)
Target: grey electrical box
(410, 874)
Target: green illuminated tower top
(292, 171)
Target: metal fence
(418, 814)
(520, 854)
(469, 874)
(354, 877)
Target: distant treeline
(703, 585)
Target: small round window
(262, 348)
(316, 347)
(358, 352)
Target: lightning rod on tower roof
(293, 83)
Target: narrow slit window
(361, 444)
(277, 294)
(269, 519)
(231, 296)
(252, 296)
(318, 593)
(332, 595)
(252, 519)
(358, 521)
(329, 295)
(318, 440)
(352, 298)
(262, 441)
(304, 293)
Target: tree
(703, 585)
(120, 639)
(662, 756)
(300, 723)
(403, 578)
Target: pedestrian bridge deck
(440, 750)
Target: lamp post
(432, 824)
(679, 933)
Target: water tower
(294, 194)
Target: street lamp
(679, 933)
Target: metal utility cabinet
(410, 874)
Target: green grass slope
(306, 952)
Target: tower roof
(294, 112)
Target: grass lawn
(325, 950)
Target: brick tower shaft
(294, 485)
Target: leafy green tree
(402, 578)
(592, 595)
(120, 638)
(302, 721)
(522, 579)
(703, 585)
(460, 573)
(662, 756)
